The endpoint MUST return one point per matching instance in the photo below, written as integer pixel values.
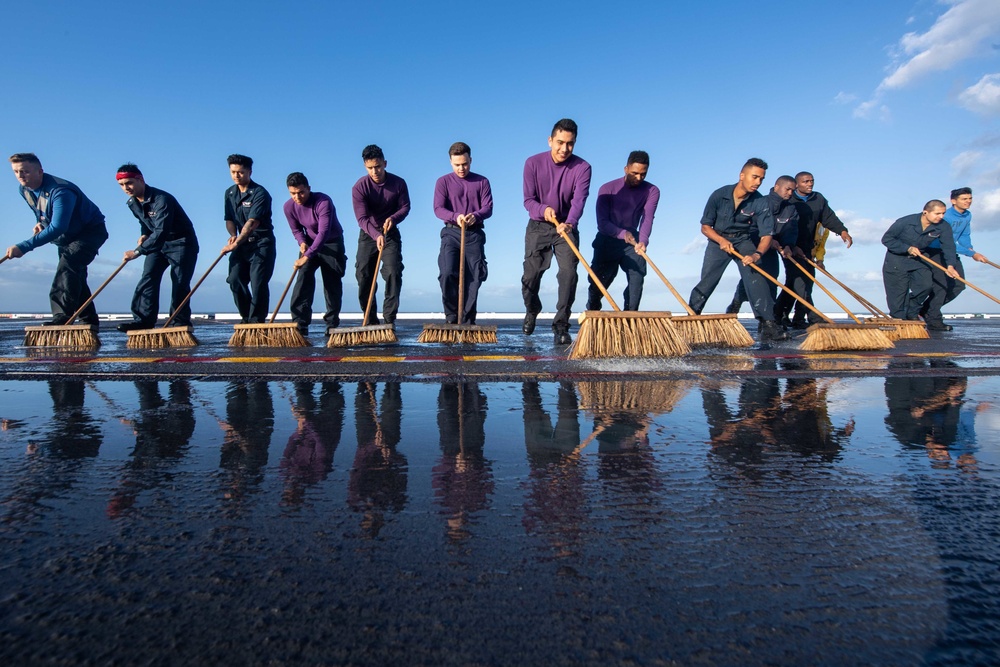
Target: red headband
(127, 174)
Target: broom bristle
(627, 395)
(607, 335)
(713, 330)
(267, 335)
(378, 334)
(823, 337)
(79, 336)
(457, 333)
(904, 329)
(149, 339)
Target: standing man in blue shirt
(66, 218)
(251, 241)
(945, 289)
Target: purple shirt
(563, 186)
(623, 209)
(374, 202)
(454, 196)
(313, 223)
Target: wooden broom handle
(666, 282)
(283, 294)
(191, 293)
(823, 287)
(461, 286)
(371, 292)
(994, 265)
(734, 252)
(4, 259)
(96, 292)
(862, 300)
(593, 276)
(959, 279)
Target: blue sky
(889, 105)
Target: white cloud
(873, 108)
(864, 230)
(965, 162)
(986, 210)
(983, 96)
(697, 244)
(845, 98)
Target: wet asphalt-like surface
(422, 504)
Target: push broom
(904, 329)
(828, 335)
(621, 333)
(720, 330)
(167, 336)
(81, 336)
(270, 334)
(959, 279)
(458, 333)
(375, 334)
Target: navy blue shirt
(162, 219)
(62, 210)
(907, 232)
(786, 219)
(735, 223)
(255, 203)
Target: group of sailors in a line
(742, 225)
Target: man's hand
(913, 251)
(129, 255)
(141, 239)
(13, 252)
(820, 264)
(37, 228)
(380, 242)
(751, 258)
(387, 225)
(230, 245)
(550, 215)
(787, 252)
(302, 248)
(300, 262)
(563, 228)
(952, 273)
(725, 244)
(847, 238)
(980, 258)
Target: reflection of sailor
(624, 452)
(75, 434)
(805, 426)
(462, 479)
(247, 431)
(378, 478)
(737, 435)
(545, 442)
(308, 457)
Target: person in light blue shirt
(945, 289)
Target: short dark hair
(958, 192)
(755, 162)
(784, 179)
(372, 152)
(241, 160)
(460, 148)
(129, 167)
(638, 157)
(802, 174)
(933, 204)
(297, 179)
(30, 158)
(566, 125)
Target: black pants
(610, 254)
(943, 289)
(798, 282)
(714, 265)
(541, 241)
(907, 283)
(392, 273)
(475, 271)
(69, 286)
(180, 256)
(251, 266)
(331, 261)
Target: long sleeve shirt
(454, 196)
(254, 204)
(62, 210)
(752, 217)
(814, 210)
(961, 227)
(161, 218)
(908, 232)
(313, 223)
(376, 202)
(622, 209)
(564, 187)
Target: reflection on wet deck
(706, 519)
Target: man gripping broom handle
(737, 255)
(956, 277)
(576, 251)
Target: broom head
(905, 329)
(609, 335)
(713, 330)
(267, 335)
(826, 336)
(457, 333)
(375, 334)
(148, 339)
(78, 336)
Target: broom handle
(735, 253)
(283, 294)
(960, 279)
(666, 282)
(461, 284)
(371, 292)
(191, 293)
(96, 292)
(862, 300)
(4, 259)
(823, 287)
(593, 276)
(995, 266)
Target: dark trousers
(331, 260)
(541, 241)
(798, 282)
(714, 265)
(251, 266)
(475, 271)
(943, 289)
(769, 262)
(907, 283)
(181, 256)
(610, 254)
(69, 286)
(392, 274)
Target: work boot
(799, 323)
(528, 327)
(734, 307)
(134, 325)
(56, 321)
(563, 337)
(933, 325)
(770, 331)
